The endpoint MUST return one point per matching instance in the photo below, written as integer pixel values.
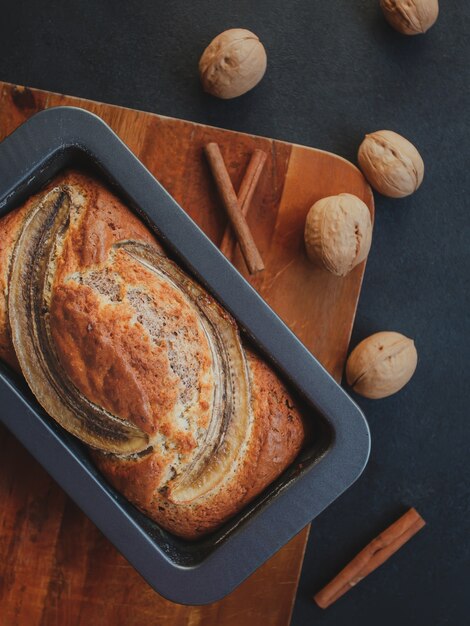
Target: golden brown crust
(276, 439)
(109, 359)
(107, 350)
(105, 222)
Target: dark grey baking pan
(185, 572)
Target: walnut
(391, 164)
(410, 17)
(338, 233)
(232, 64)
(381, 364)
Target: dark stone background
(336, 70)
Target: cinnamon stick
(245, 196)
(247, 244)
(371, 557)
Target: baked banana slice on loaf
(132, 356)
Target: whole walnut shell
(232, 64)
(391, 164)
(338, 233)
(410, 17)
(381, 364)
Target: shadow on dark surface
(335, 71)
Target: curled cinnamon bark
(371, 557)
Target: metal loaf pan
(207, 570)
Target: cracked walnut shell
(391, 164)
(381, 364)
(338, 233)
(232, 64)
(410, 17)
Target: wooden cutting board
(56, 568)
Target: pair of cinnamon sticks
(237, 207)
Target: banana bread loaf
(131, 355)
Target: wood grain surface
(56, 568)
